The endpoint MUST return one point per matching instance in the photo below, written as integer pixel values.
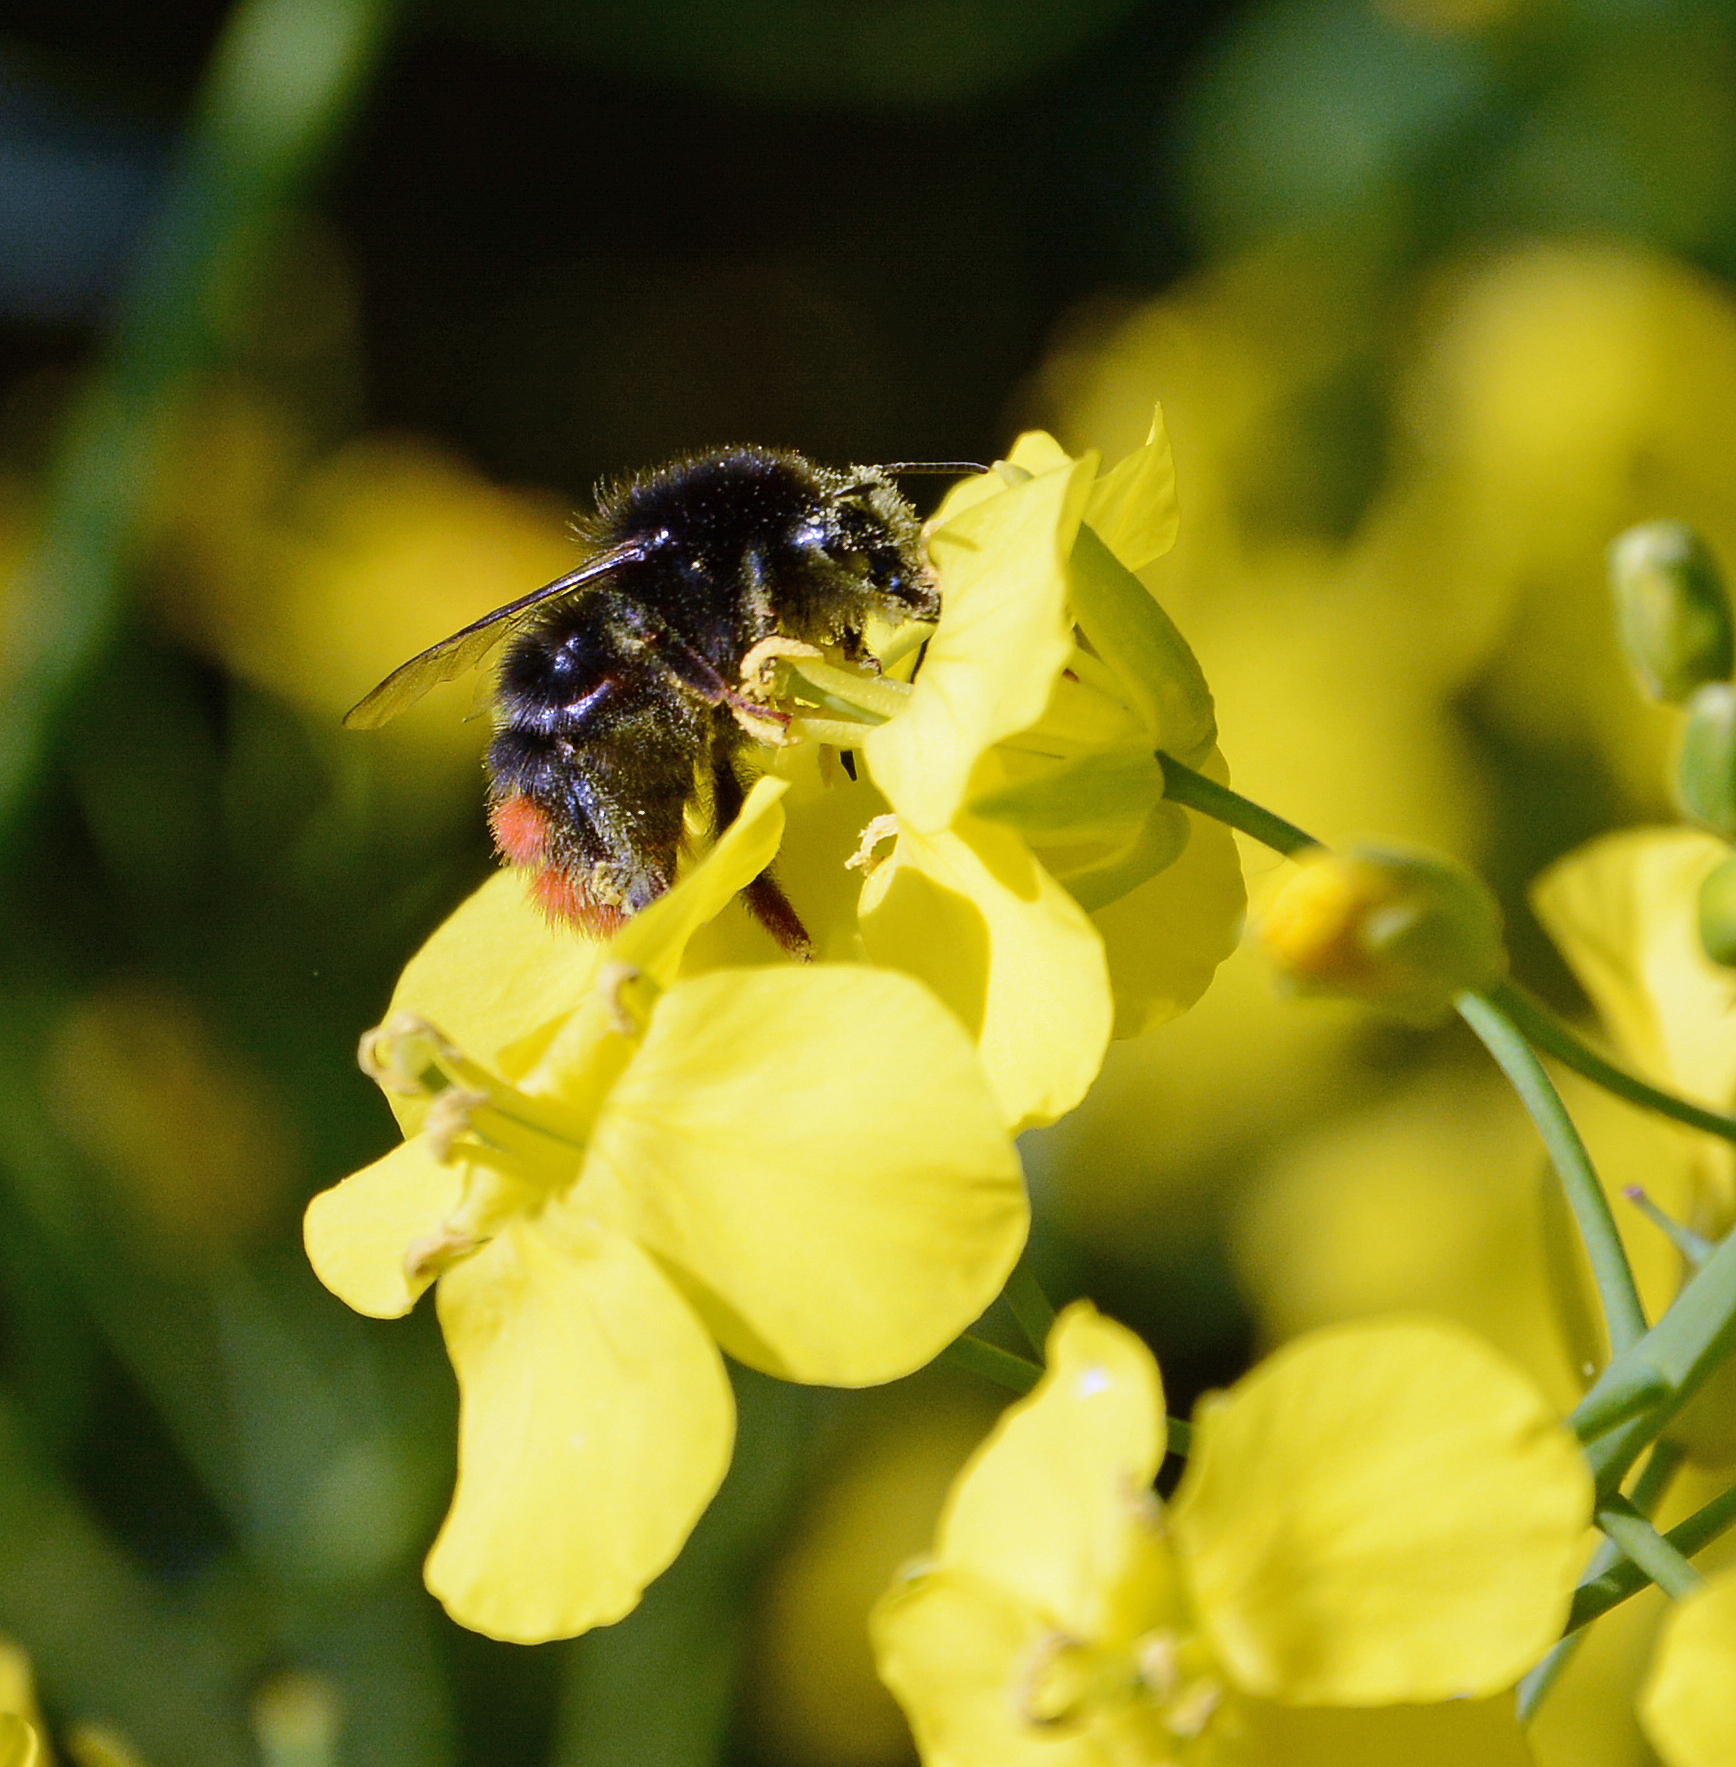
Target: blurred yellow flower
(1426, 1198)
(612, 1172)
(312, 577)
(189, 1132)
(1623, 911)
(813, 1695)
(1383, 1514)
(20, 1717)
(1686, 1706)
(1401, 930)
(22, 1732)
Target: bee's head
(871, 537)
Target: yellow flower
(612, 1172)
(20, 1718)
(19, 1745)
(1383, 1514)
(1685, 1706)
(1623, 911)
(1036, 878)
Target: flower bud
(1717, 910)
(1706, 769)
(1401, 930)
(1671, 610)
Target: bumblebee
(619, 700)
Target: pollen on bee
(566, 901)
(521, 830)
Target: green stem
(1690, 1340)
(1647, 1548)
(282, 79)
(1030, 1306)
(1609, 1585)
(1622, 1311)
(1182, 785)
(974, 1355)
(1541, 1027)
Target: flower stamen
(865, 858)
(1058, 1683)
(430, 1257)
(615, 984)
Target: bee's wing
(463, 651)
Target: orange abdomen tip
(568, 903)
(521, 830)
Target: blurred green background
(317, 318)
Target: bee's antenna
(934, 468)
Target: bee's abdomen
(591, 766)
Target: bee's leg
(691, 668)
(766, 902)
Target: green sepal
(1672, 612)
(1706, 770)
(1717, 912)
(1633, 1388)
(1100, 797)
(1687, 1343)
(1160, 842)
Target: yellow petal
(17, 1682)
(18, 1743)
(1165, 939)
(953, 1650)
(1132, 509)
(1037, 452)
(595, 1422)
(1099, 879)
(494, 973)
(1383, 1511)
(358, 1232)
(826, 812)
(1053, 1508)
(1004, 637)
(1687, 1707)
(1623, 911)
(1454, 1733)
(970, 912)
(816, 1154)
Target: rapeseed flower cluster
(620, 1162)
(624, 1162)
(1382, 1517)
